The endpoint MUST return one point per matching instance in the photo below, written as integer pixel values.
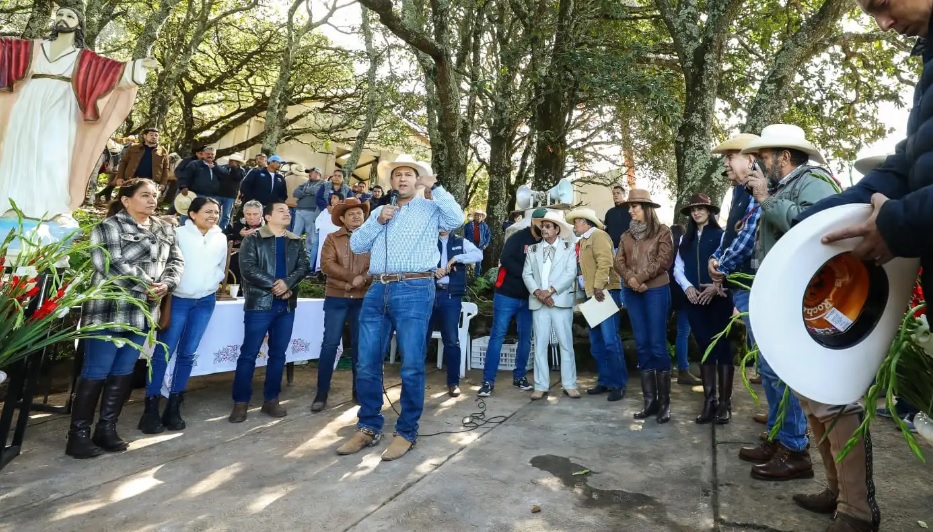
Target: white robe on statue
(38, 147)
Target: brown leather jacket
(648, 260)
(341, 265)
(130, 161)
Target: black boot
(87, 392)
(708, 376)
(664, 396)
(320, 400)
(150, 423)
(171, 418)
(726, 376)
(649, 390)
(116, 390)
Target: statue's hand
(151, 63)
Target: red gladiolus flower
(47, 308)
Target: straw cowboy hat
(867, 164)
(341, 208)
(736, 143)
(700, 200)
(385, 168)
(182, 202)
(236, 157)
(479, 211)
(297, 169)
(586, 214)
(538, 217)
(641, 196)
(784, 136)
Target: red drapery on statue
(15, 56)
(94, 78)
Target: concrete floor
(283, 474)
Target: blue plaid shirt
(743, 246)
(408, 243)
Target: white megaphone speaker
(823, 319)
(525, 198)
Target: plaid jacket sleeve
(743, 247)
(109, 260)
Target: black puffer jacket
(257, 264)
(906, 177)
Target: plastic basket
(506, 355)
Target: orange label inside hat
(836, 295)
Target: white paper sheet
(597, 312)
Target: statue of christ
(59, 104)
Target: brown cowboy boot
(758, 454)
(784, 465)
(708, 376)
(846, 523)
(857, 509)
(823, 502)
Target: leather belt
(52, 76)
(386, 278)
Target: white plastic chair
(468, 311)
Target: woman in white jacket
(204, 247)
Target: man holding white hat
(550, 275)
(401, 238)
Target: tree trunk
(152, 27)
(40, 20)
(98, 13)
(373, 102)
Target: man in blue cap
(265, 185)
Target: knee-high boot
(708, 376)
(87, 392)
(664, 396)
(726, 374)
(649, 390)
(116, 391)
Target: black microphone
(393, 198)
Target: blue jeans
(682, 344)
(189, 321)
(740, 298)
(606, 348)
(226, 210)
(648, 312)
(304, 223)
(103, 358)
(504, 308)
(446, 318)
(793, 433)
(291, 224)
(278, 325)
(338, 311)
(709, 320)
(406, 307)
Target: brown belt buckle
(386, 278)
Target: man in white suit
(550, 273)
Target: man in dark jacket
(901, 194)
(273, 262)
(511, 301)
(230, 188)
(617, 218)
(206, 178)
(335, 184)
(264, 184)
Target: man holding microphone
(401, 238)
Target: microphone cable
(469, 422)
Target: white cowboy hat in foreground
(784, 136)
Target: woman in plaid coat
(139, 246)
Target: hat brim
(867, 164)
(573, 215)
(342, 208)
(565, 229)
(794, 144)
(737, 143)
(385, 168)
(182, 202)
(641, 202)
(714, 210)
(832, 375)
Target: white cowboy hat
(784, 136)
(736, 143)
(867, 164)
(297, 169)
(566, 231)
(385, 168)
(824, 320)
(183, 202)
(586, 214)
(427, 167)
(236, 157)
(479, 211)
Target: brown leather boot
(238, 415)
(847, 523)
(784, 465)
(362, 439)
(397, 449)
(857, 504)
(823, 502)
(760, 418)
(758, 454)
(273, 408)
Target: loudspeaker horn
(561, 193)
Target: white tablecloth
(220, 345)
